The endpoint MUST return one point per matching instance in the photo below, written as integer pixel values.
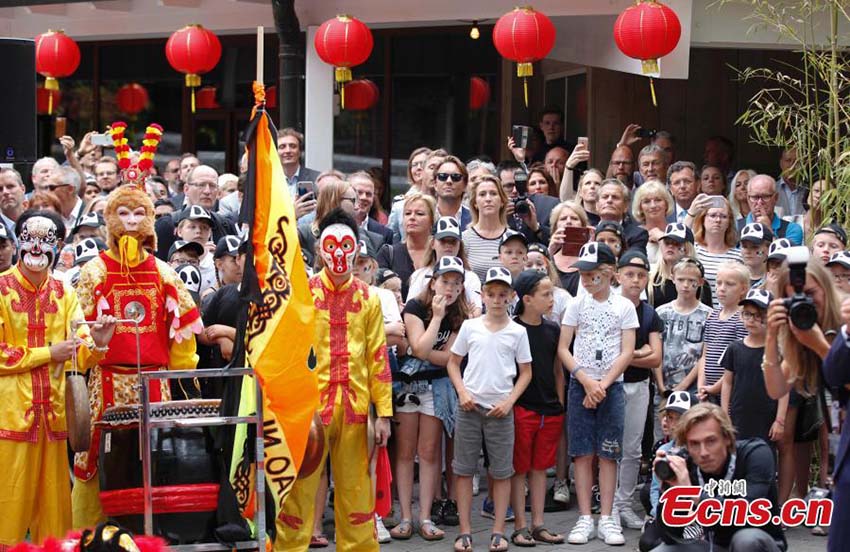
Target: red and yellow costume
(34, 490)
(353, 373)
(126, 281)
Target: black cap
(610, 226)
(678, 232)
(196, 212)
(633, 258)
(183, 244)
(525, 282)
(512, 235)
(539, 248)
(759, 297)
(756, 232)
(383, 275)
(227, 245)
(836, 230)
(592, 255)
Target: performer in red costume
(129, 282)
(353, 372)
(36, 343)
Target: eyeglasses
(764, 198)
(839, 278)
(756, 316)
(444, 177)
(54, 187)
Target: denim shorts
(597, 430)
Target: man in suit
(684, 187)
(290, 146)
(188, 162)
(613, 205)
(201, 189)
(449, 187)
(364, 186)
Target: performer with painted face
(36, 345)
(129, 282)
(351, 362)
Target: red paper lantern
(479, 93)
(56, 56)
(43, 100)
(647, 31)
(271, 97)
(362, 94)
(205, 98)
(343, 42)
(524, 36)
(131, 98)
(193, 50)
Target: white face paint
(39, 243)
(338, 249)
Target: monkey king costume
(353, 373)
(34, 488)
(127, 281)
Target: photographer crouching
(709, 457)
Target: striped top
(718, 335)
(711, 262)
(482, 253)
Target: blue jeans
(597, 430)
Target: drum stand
(146, 424)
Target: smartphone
(645, 133)
(60, 127)
(101, 140)
(520, 134)
(582, 140)
(305, 187)
(574, 238)
(717, 201)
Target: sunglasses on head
(444, 177)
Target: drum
(185, 471)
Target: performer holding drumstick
(37, 340)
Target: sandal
(465, 542)
(319, 541)
(522, 537)
(429, 531)
(402, 531)
(541, 534)
(498, 543)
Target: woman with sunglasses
(424, 398)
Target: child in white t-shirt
(603, 323)
(498, 352)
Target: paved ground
(799, 539)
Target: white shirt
(207, 268)
(599, 331)
(491, 368)
(389, 306)
(422, 277)
(73, 217)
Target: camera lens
(803, 314)
(521, 207)
(663, 470)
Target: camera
(521, 206)
(801, 307)
(662, 465)
(645, 133)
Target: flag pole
(259, 55)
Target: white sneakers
(582, 531)
(561, 492)
(608, 531)
(383, 535)
(629, 518)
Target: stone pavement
(800, 539)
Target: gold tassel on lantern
(342, 75)
(650, 67)
(525, 70)
(193, 81)
(52, 85)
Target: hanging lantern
(524, 36)
(362, 94)
(193, 50)
(56, 56)
(343, 42)
(131, 99)
(479, 93)
(45, 99)
(647, 31)
(206, 98)
(271, 97)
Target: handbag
(809, 419)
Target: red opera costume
(353, 373)
(34, 491)
(127, 281)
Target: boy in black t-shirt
(633, 273)
(539, 411)
(743, 395)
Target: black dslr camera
(521, 206)
(662, 465)
(801, 307)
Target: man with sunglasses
(762, 197)
(450, 185)
(65, 183)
